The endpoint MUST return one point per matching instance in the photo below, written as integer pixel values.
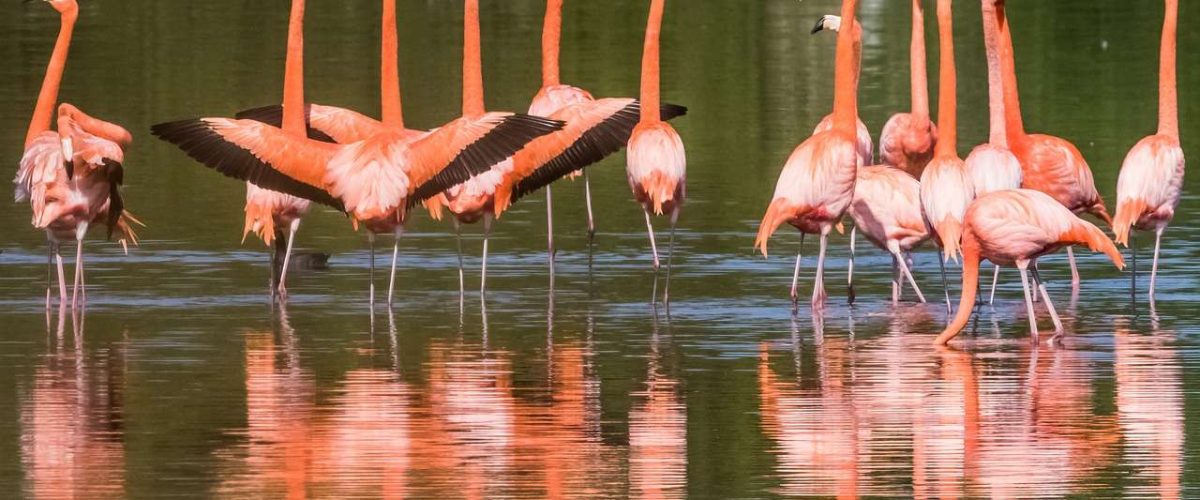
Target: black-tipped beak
(816, 29)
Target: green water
(180, 379)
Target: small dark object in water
(311, 261)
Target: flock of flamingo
(1012, 200)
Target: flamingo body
(864, 145)
(656, 167)
(993, 168)
(886, 208)
(1149, 186)
(815, 187)
(552, 98)
(1054, 166)
(946, 191)
(907, 142)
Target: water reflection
(658, 431)
(72, 418)
(1150, 409)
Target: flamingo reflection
(1150, 409)
(658, 432)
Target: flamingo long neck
(1014, 125)
(43, 112)
(99, 128)
(650, 75)
(551, 36)
(293, 73)
(970, 253)
(389, 69)
(947, 143)
(997, 136)
(845, 90)
(916, 63)
(472, 64)
(1168, 108)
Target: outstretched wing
(325, 123)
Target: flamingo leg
(487, 232)
(550, 229)
(995, 278)
(1058, 327)
(395, 254)
(80, 232)
(896, 288)
(670, 254)
(818, 298)
(1154, 264)
(587, 197)
(287, 257)
(653, 246)
(1133, 267)
(49, 273)
(796, 273)
(1028, 298)
(458, 242)
(62, 279)
(908, 274)
(850, 266)
(371, 245)
(1074, 269)
(945, 285)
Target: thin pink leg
(818, 298)
(1154, 265)
(1074, 269)
(653, 245)
(796, 272)
(1023, 266)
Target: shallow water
(180, 379)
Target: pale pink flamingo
(992, 166)
(887, 209)
(656, 163)
(71, 178)
(907, 140)
(866, 148)
(1049, 164)
(1016, 227)
(1151, 178)
(817, 183)
(376, 179)
(946, 188)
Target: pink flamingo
(887, 209)
(817, 183)
(1048, 164)
(656, 163)
(865, 145)
(946, 188)
(71, 178)
(375, 179)
(908, 139)
(992, 166)
(1151, 178)
(1016, 227)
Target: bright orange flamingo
(656, 163)
(375, 179)
(946, 188)
(908, 139)
(992, 166)
(817, 183)
(1016, 227)
(1151, 178)
(269, 212)
(1049, 164)
(887, 209)
(71, 178)
(866, 148)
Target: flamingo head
(827, 22)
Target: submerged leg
(395, 254)
(850, 267)
(907, 274)
(796, 273)
(371, 245)
(550, 229)
(1154, 264)
(80, 232)
(818, 298)
(995, 278)
(1058, 328)
(1133, 267)
(587, 196)
(1074, 269)
(670, 254)
(458, 243)
(1023, 266)
(487, 232)
(896, 288)
(287, 258)
(945, 285)
(49, 272)
(62, 278)
(653, 246)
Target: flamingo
(1151, 178)
(1016, 227)
(946, 188)
(865, 145)
(887, 208)
(907, 140)
(992, 166)
(656, 164)
(1049, 164)
(816, 185)
(267, 211)
(375, 179)
(71, 178)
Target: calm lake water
(182, 380)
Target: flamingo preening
(1151, 178)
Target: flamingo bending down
(1049, 164)
(992, 166)
(656, 164)
(71, 178)
(1151, 178)
(817, 183)
(866, 148)
(887, 209)
(908, 139)
(1016, 227)
(946, 188)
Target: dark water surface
(181, 380)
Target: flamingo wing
(325, 123)
(466, 147)
(255, 152)
(594, 130)
(1056, 167)
(39, 166)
